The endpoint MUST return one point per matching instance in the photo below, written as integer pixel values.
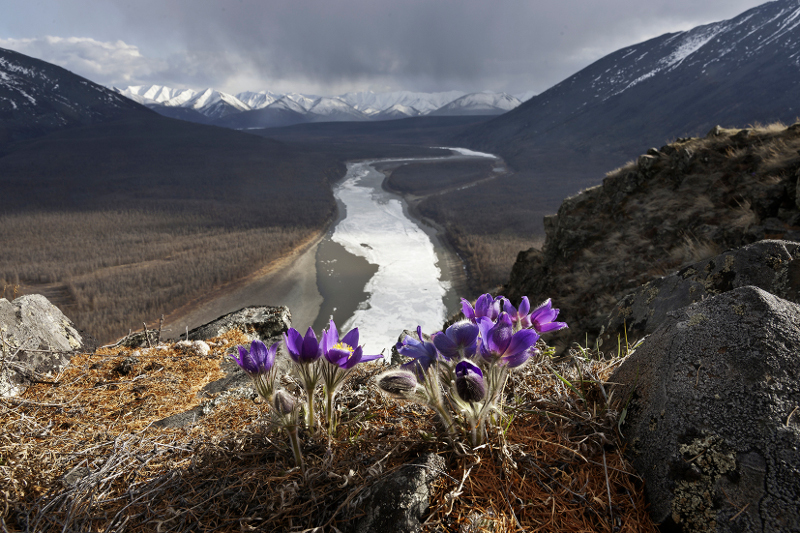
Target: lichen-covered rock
(397, 503)
(710, 414)
(769, 265)
(259, 322)
(36, 340)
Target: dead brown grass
(83, 455)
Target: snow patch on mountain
(257, 100)
(479, 104)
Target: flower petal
(445, 345)
(310, 350)
(521, 341)
(463, 333)
(510, 309)
(467, 309)
(294, 343)
(551, 326)
(518, 359)
(351, 339)
(499, 336)
(330, 337)
(524, 306)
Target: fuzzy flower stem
(435, 401)
(329, 411)
(295, 440)
(310, 409)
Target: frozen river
(379, 269)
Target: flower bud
(283, 402)
(469, 382)
(398, 383)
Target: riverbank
(290, 280)
(449, 255)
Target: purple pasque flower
(344, 353)
(543, 316)
(459, 340)
(422, 353)
(259, 360)
(302, 350)
(398, 383)
(520, 316)
(470, 385)
(283, 402)
(500, 343)
(485, 306)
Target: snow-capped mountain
(158, 94)
(479, 104)
(378, 102)
(289, 104)
(211, 106)
(334, 110)
(395, 112)
(303, 100)
(37, 98)
(215, 104)
(257, 100)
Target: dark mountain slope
(735, 72)
(266, 117)
(37, 98)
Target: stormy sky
(328, 47)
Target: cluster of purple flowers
(471, 359)
(461, 372)
(329, 360)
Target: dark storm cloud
(510, 45)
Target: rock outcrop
(397, 503)
(712, 415)
(687, 201)
(770, 265)
(260, 322)
(36, 340)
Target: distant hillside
(687, 201)
(736, 72)
(37, 98)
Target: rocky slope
(687, 201)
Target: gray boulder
(711, 417)
(397, 503)
(36, 340)
(259, 322)
(770, 265)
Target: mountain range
(252, 110)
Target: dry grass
(554, 465)
(630, 166)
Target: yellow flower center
(345, 347)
